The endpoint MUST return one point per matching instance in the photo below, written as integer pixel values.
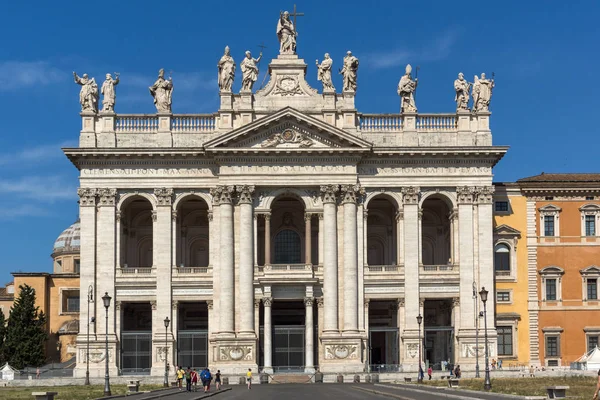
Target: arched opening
(436, 232)
(382, 235)
(288, 247)
(136, 234)
(288, 231)
(502, 258)
(192, 233)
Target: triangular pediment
(549, 208)
(288, 130)
(506, 230)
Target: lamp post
(419, 321)
(166, 382)
(476, 330)
(487, 384)
(106, 299)
(90, 299)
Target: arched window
(502, 257)
(287, 247)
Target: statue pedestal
(107, 137)
(409, 127)
(226, 110)
(87, 136)
(164, 136)
(484, 135)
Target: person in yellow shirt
(180, 375)
(249, 378)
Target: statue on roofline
(482, 93)
(88, 95)
(406, 89)
(349, 71)
(226, 71)
(324, 73)
(162, 91)
(286, 32)
(109, 92)
(462, 88)
(249, 71)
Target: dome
(68, 241)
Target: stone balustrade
(145, 275)
(136, 123)
(180, 123)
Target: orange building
(563, 212)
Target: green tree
(2, 337)
(25, 332)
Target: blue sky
(544, 55)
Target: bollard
(340, 378)
(356, 378)
(225, 380)
(368, 379)
(264, 378)
(318, 377)
(375, 378)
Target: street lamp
(90, 299)
(166, 382)
(487, 384)
(106, 299)
(476, 330)
(419, 321)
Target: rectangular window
(550, 289)
(505, 340)
(548, 225)
(592, 342)
(592, 289)
(73, 304)
(503, 297)
(590, 225)
(77, 266)
(552, 346)
(549, 198)
(501, 206)
(589, 198)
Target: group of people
(191, 377)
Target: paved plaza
(326, 391)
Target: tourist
(429, 372)
(500, 364)
(249, 378)
(531, 371)
(37, 373)
(195, 379)
(457, 372)
(218, 379)
(206, 377)
(188, 379)
(597, 387)
(493, 363)
(180, 373)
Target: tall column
(320, 244)
(330, 259)
(246, 305)
(454, 242)
(411, 257)
(226, 260)
(365, 236)
(307, 238)
(486, 246)
(309, 336)
(267, 239)
(465, 229)
(87, 272)
(105, 253)
(162, 252)
(401, 323)
(267, 333)
(255, 218)
(350, 259)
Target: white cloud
(38, 154)
(435, 50)
(43, 188)
(20, 74)
(23, 210)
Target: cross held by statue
(295, 14)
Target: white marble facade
(287, 206)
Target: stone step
(290, 378)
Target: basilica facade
(288, 231)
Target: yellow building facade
(511, 279)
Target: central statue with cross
(286, 32)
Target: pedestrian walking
(188, 379)
(500, 363)
(206, 377)
(37, 373)
(180, 374)
(457, 372)
(249, 378)
(531, 372)
(218, 379)
(429, 372)
(195, 380)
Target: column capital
(329, 193)
(411, 194)
(307, 216)
(465, 194)
(87, 197)
(222, 194)
(320, 216)
(352, 193)
(453, 215)
(401, 303)
(154, 215)
(209, 304)
(455, 302)
(484, 194)
(118, 216)
(399, 215)
(209, 216)
(421, 303)
(267, 301)
(309, 301)
(117, 305)
(320, 302)
(256, 303)
(174, 215)
(164, 196)
(267, 216)
(107, 197)
(153, 305)
(245, 194)
(367, 302)
(174, 304)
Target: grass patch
(67, 392)
(580, 387)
